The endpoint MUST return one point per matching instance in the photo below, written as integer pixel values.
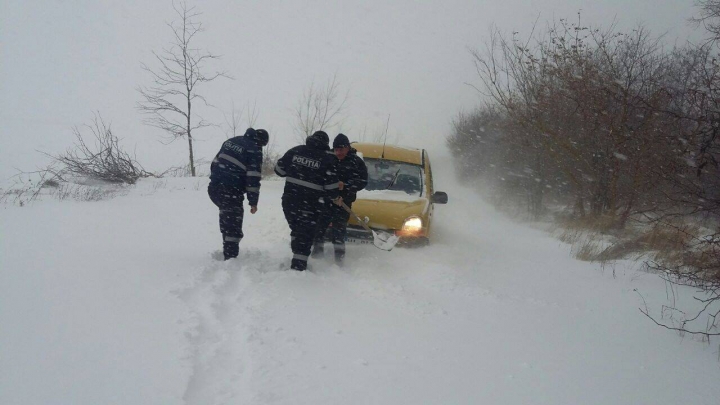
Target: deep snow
(120, 301)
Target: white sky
(62, 60)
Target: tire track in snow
(242, 345)
(222, 328)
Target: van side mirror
(439, 198)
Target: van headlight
(412, 225)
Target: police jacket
(309, 171)
(238, 165)
(353, 173)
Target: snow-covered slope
(120, 301)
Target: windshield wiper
(395, 176)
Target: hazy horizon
(63, 61)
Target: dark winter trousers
(230, 202)
(301, 214)
(339, 218)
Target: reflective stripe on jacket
(238, 165)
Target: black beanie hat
(322, 136)
(341, 141)
(262, 137)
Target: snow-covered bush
(101, 157)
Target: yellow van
(399, 197)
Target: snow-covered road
(120, 301)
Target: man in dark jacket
(352, 174)
(236, 171)
(310, 179)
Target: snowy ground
(121, 302)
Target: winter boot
(339, 254)
(298, 264)
(230, 250)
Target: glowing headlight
(412, 224)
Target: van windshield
(391, 175)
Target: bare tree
(270, 158)
(694, 192)
(320, 109)
(584, 105)
(234, 123)
(709, 18)
(168, 102)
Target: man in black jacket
(236, 171)
(310, 179)
(353, 175)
